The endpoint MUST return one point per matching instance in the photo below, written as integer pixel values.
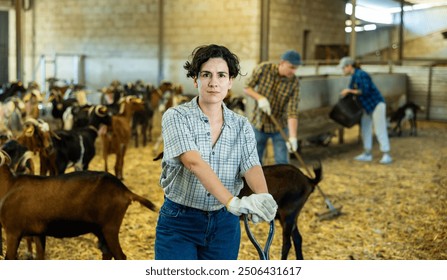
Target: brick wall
(5, 4)
(120, 39)
(324, 19)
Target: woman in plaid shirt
(374, 114)
(207, 150)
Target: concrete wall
(422, 35)
(325, 91)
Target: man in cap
(276, 91)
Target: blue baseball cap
(292, 56)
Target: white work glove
(255, 218)
(292, 144)
(264, 105)
(261, 205)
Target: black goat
(77, 116)
(15, 89)
(407, 112)
(77, 147)
(142, 119)
(59, 105)
(21, 157)
(290, 188)
(236, 104)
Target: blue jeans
(185, 233)
(279, 145)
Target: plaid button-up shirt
(370, 95)
(186, 128)
(281, 92)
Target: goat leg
(12, 244)
(102, 245)
(112, 241)
(297, 243)
(40, 246)
(286, 243)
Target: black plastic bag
(347, 111)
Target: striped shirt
(186, 128)
(369, 95)
(281, 92)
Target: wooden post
(19, 55)
(353, 45)
(265, 26)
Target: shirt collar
(227, 113)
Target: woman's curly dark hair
(203, 53)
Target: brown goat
(119, 133)
(36, 136)
(21, 163)
(66, 205)
(290, 188)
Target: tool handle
(297, 155)
(286, 138)
(263, 254)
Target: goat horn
(90, 110)
(32, 121)
(4, 158)
(101, 111)
(28, 155)
(55, 135)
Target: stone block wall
(121, 40)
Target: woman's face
(213, 81)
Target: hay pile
(389, 212)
